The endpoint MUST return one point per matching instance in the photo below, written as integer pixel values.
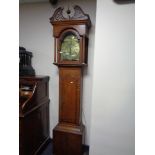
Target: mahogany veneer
(33, 114)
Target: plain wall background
(112, 118)
(36, 35)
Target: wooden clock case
(68, 135)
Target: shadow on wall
(53, 2)
(124, 1)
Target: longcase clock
(70, 55)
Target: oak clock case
(70, 55)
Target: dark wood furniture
(70, 55)
(25, 67)
(33, 114)
(124, 1)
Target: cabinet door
(70, 83)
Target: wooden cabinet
(33, 114)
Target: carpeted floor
(48, 150)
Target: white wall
(36, 35)
(112, 118)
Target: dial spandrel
(70, 48)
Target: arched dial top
(70, 48)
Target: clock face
(70, 48)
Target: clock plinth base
(67, 140)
